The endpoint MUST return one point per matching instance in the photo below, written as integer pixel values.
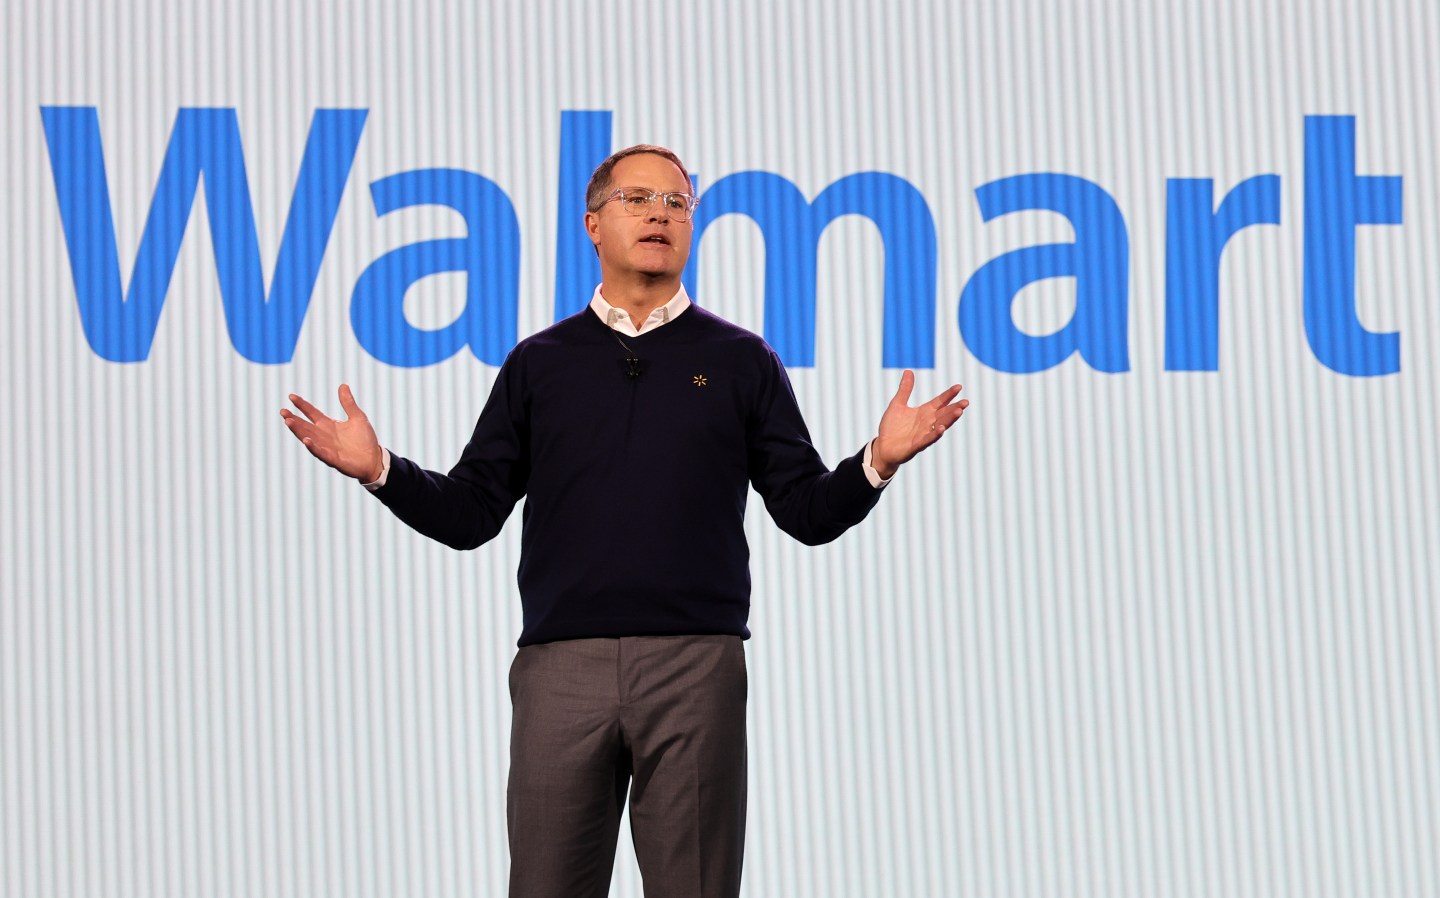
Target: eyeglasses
(639, 201)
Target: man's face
(653, 243)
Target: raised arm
(462, 509)
(907, 431)
(816, 505)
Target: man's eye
(636, 199)
(674, 201)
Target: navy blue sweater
(634, 487)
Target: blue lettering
(1098, 260)
(1336, 200)
(584, 144)
(792, 229)
(489, 254)
(120, 323)
(1195, 238)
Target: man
(634, 430)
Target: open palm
(905, 431)
(348, 446)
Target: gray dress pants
(660, 716)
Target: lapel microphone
(632, 366)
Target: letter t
(1336, 200)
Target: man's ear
(592, 228)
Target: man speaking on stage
(633, 430)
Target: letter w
(120, 323)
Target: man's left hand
(905, 431)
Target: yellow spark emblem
(700, 380)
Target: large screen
(1156, 618)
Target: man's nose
(658, 211)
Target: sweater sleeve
(468, 506)
(805, 498)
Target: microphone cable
(633, 366)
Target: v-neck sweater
(634, 486)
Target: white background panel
(1134, 634)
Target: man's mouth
(655, 238)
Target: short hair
(600, 187)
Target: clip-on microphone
(632, 366)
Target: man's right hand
(348, 446)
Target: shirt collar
(618, 319)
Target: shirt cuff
(385, 469)
(871, 474)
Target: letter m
(792, 228)
(120, 323)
